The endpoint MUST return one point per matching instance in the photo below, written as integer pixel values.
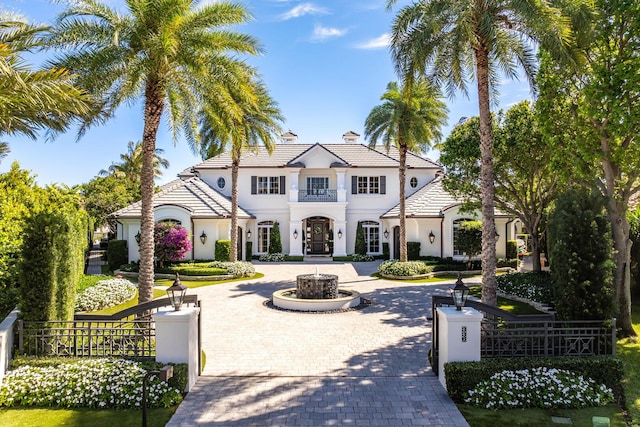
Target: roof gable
(317, 156)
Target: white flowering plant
(274, 257)
(361, 258)
(542, 387)
(92, 383)
(532, 285)
(409, 268)
(106, 293)
(237, 268)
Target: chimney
(289, 137)
(350, 137)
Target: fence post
(458, 337)
(177, 339)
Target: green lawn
(191, 284)
(629, 351)
(157, 293)
(31, 417)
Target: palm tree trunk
(489, 287)
(402, 171)
(153, 107)
(235, 165)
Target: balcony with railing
(317, 195)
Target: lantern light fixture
(203, 237)
(137, 236)
(295, 233)
(248, 234)
(340, 234)
(176, 293)
(460, 293)
(432, 237)
(386, 234)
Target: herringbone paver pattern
(273, 368)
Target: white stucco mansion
(318, 193)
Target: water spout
(317, 272)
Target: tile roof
(354, 155)
(428, 202)
(192, 194)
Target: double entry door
(318, 236)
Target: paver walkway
(266, 367)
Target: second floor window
(268, 185)
(368, 185)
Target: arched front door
(396, 242)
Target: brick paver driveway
(366, 367)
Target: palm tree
(170, 54)
(455, 41)
(256, 122)
(130, 165)
(409, 119)
(4, 150)
(33, 100)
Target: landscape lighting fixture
(295, 233)
(176, 293)
(203, 237)
(432, 237)
(386, 234)
(340, 234)
(248, 234)
(138, 238)
(460, 293)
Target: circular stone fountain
(316, 292)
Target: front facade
(318, 194)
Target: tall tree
(130, 165)
(525, 183)
(30, 100)
(4, 150)
(256, 122)
(593, 116)
(409, 119)
(170, 54)
(457, 40)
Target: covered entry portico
(315, 233)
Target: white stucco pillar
(458, 337)
(339, 244)
(295, 245)
(177, 339)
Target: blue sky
(326, 63)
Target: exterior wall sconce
(137, 236)
(203, 237)
(432, 237)
(295, 233)
(248, 234)
(340, 234)
(386, 234)
(460, 293)
(176, 293)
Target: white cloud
(377, 43)
(303, 9)
(323, 33)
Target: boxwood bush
(409, 268)
(117, 254)
(464, 376)
(223, 250)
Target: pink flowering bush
(172, 242)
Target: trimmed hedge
(386, 254)
(464, 376)
(117, 254)
(249, 251)
(512, 249)
(413, 251)
(223, 250)
(404, 269)
(193, 271)
(532, 285)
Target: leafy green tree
(456, 41)
(581, 257)
(409, 119)
(634, 235)
(360, 245)
(469, 239)
(592, 117)
(525, 183)
(275, 245)
(34, 100)
(172, 54)
(254, 123)
(130, 165)
(105, 195)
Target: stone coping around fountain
(281, 301)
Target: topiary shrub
(413, 251)
(402, 269)
(581, 257)
(223, 250)
(249, 251)
(469, 239)
(386, 254)
(512, 249)
(275, 245)
(117, 254)
(360, 245)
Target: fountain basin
(287, 299)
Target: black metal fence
(130, 332)
(507, 335)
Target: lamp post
(460, 293)
(176, 293)
(164, 374)
(203, 237)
